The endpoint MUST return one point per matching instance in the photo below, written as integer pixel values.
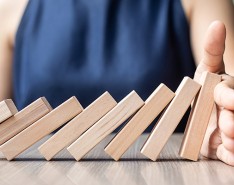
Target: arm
(5, 60)
(13, 11)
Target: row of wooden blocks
(84, 128)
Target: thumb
(214, 47)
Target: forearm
(5, 60)
(10, 15)
(5, 71)
(202, 14)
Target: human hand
(219, 138)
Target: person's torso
(84, 48)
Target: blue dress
(86, 47)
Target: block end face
(115, 157)
(47, 158)
(146, 154)
(78, 103)
(11, 106)
(74, 155)
(7, 109)
(6, 153)
(108, 96)
(47, 103)
(77, 158)
(8, 157)
(187, 155)
(45, 155)
(191, 158)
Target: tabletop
(98, 168)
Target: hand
(219, 139)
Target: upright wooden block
(199, 117)
(136, 126)
(171, 118)
(7, 109)
(41, 128)
(71, 131)
(23, 119)
(120, 113)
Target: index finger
(224, 95)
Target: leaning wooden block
(171, 118)
(41, 128)
(71, 131)
(199, 117)
(7, 109)
(23, 119)
(120, 113)
(136, 126)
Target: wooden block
(136, 126)
(7, 109)
(41, 128)
(199, 117)
(120, 113)
(23, 119)
(71, 131)
(171, 118)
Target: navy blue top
(85, 47)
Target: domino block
(171, 118)
(7, 109)
(136, 126)
(71, 131)
(199, 118)
(120, 113)
(23, 119)
(41, 128)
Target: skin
(213, 52)
(10, 14)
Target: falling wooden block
(7, 109)
(199, 117)
(171, 118)
(136, 126)
(120, 113)
(23, 119)
(41, 128)
(71, 131)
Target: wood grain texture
(120, 113)
(199, 117)
(23, 119)
(41, 128)
(99, 169)
(171, 118)
(71, 131)
(7, 109)
(157, 101)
